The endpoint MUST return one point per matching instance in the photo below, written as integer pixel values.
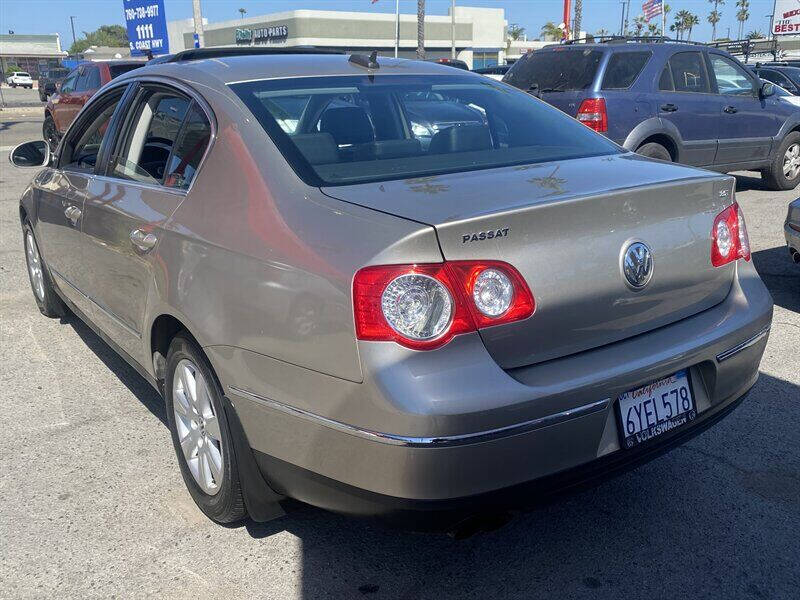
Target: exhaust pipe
(795, 256)
(480, 523)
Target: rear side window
(665, 81)
(689, 72)
(93, 79)
(83, 80)
(623, 69)
(557, 70)
(188, 149)
(117, 70)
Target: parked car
(21, 79)
(49, 81)
(792, 230)
(495, 72)
(75, 90)
(336, 314)
(681, 102)
(452, 62)
(785, 95)
(788, 77)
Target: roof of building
(30, 45)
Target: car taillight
(592, 113)
(729, 240)
(424, 306)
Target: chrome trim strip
(111, 315)
(730, 352)
(429, 442)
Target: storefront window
(484, 59)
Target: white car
(785, 95)
(20, 78)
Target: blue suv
(682, 102)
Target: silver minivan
(389, 287)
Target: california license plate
(654, 409)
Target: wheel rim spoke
(198, 427)
(34, 266)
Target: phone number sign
(147, 27)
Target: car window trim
(192, 95)
(114, 126)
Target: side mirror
(767, 89)
(30, 154)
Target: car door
(62, 193)
(150, 166)
(747, 121)
(61, 104)
(687, 102)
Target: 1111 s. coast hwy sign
(147, 26)
(786, 19)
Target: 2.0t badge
(637, 265)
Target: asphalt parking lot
(14, 97)
(92, 503)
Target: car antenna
(370, 62)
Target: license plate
(654, 409)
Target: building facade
(480, 33)
(31, 53)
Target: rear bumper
(552, 425)
(442, 514)
(792, 235)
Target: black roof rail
(633, 39)
(362, 60)
(226, 51)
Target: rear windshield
(342, 130)
(22, 74)
(792, 73)
(55, 73)
(559, 70)
(117, 70)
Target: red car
(75, 91)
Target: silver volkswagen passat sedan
(389, 287)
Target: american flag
(652, 8)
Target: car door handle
(143, 241)
(73, 213)
(669, 107)
(730, 109)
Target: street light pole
(72, 23)
(198, 22)
(453, 29)
(396, 27)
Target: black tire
(50, 133)
(654, 150)
(774, 177)
(42, 98)
(48, 301)
(226, 505)
(13, 85)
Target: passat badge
(479, 236)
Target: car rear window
(356, 129)
(623, 69)
(23, 74)
(558, 70)
(117, 70)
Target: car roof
(622, 44)
(235, 69)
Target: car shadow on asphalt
(780, 275)
(137, 385)
(748, 182)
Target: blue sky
(50, 16)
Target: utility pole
(771, 23)
(72, 23)
(622, 18)
(198, 23)
(452, 29)
(627, 15)
(420, 29)
(396, 27)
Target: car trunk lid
(565, 226)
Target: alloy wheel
(198, 427)
(791, 162)
(34, 265)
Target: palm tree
(576, 22)
(639, 25)
(242, 12)
(682, 17)
(516, 31)
(691, 21)
(602, 32)
(552, 31)
(667, 9)
(714, 17)
(755, 35)
(742, 15)
(652, 30)
(421, 29)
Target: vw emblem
(637, 265)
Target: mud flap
(263, 503)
